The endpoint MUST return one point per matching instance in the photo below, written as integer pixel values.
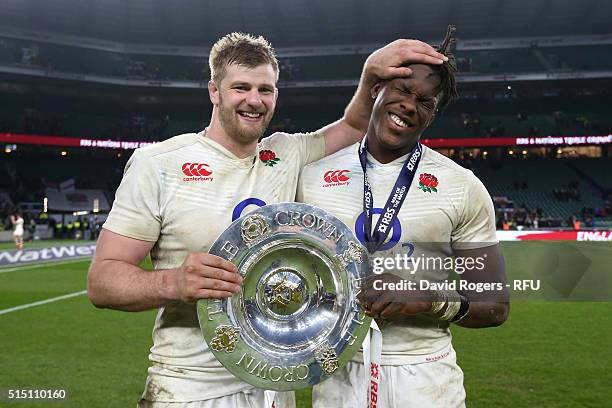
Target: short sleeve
(299, 194)
(476, 224)
(135, 212)
(312, 146)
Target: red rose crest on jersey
(268, 157)
(428, 183)
(335, 178)
(196, 172)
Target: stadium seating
(70, 59)
(502, 61)
(541, 176)
(583, 58)
(493, 110)
(600, 171)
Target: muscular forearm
(488, 308)
(485, 314)
(129, 288)
(358, 111)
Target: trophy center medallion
(284, 293)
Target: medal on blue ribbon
(374, 240)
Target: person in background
(17, 222)
(31, 229)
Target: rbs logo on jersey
(196, 172)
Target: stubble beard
(233, 128)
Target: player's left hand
(383, 303)
(389, 61)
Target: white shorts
(426, 385)
(253, 398)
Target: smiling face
(245, 99)
(403, 109)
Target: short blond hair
(240, 49)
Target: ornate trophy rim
(297, 319)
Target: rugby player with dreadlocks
(422, 197)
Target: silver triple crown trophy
(297, 319)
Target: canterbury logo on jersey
(196, 172)
(336, 178)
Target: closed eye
(405, 91)
(428, 103)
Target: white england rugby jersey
(181, 194)
(456, 211)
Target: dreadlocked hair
(448, 84)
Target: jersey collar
(248, 161)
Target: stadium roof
(305, 22)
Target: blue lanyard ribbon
(398, 194)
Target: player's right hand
(391, 60)
(206, 276)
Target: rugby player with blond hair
(177, 196)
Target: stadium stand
(503, 61)
(490, 107)
(585, 58)
(551, 185)
(78, 60)
(76, 200)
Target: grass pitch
(548, 354)
(7, 246)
